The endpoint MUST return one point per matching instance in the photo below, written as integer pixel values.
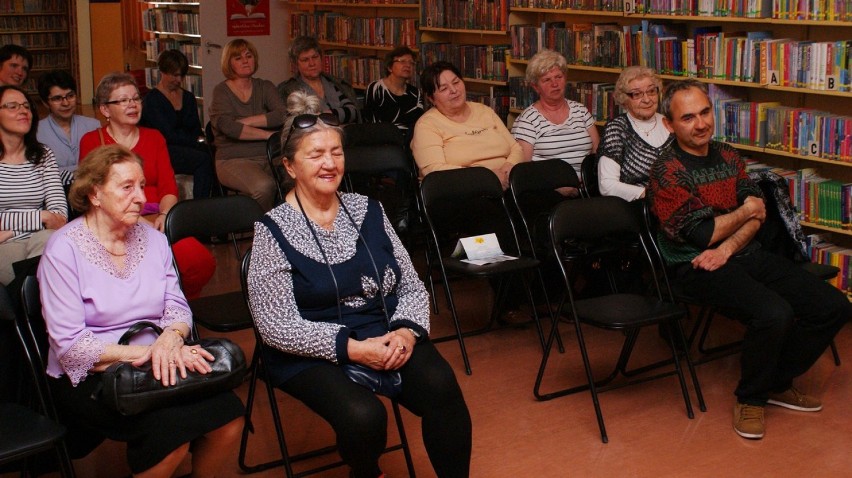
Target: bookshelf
(173, 25)
(473, 36)
(48, 29)
(355, 36)
(729, 48)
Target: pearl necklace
(637, 128)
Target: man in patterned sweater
(709, 212)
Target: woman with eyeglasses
(173, 112)
(337, 95)
(554, 127)
(244, 114)
(62, 129)
(632, 141)
(343, 314)
(393, 99)
(32, 202)
(118, 100)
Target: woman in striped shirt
(554, 127)
(32, 202)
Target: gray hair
(542, 62)
(633, 73)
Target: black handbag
(130, 390)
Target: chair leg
(429, 279)
(456, 322)
(409, 462)
(681, 379)
(690, 365)
(66, 468)
(834, 353)
(593, 389)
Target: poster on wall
(248, 18)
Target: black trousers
(359, 419)
(791, 317)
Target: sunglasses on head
(306, 121)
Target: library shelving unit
(355, 35)
(793, 66)
(174, 25)
(474, 36)
(48, 29)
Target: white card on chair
(480, 250)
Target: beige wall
(84, 44)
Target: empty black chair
(215, 217)
(469, 202)
(378, 166)
(26, 432)
(273, 156)
(258, 371)
(592, 219)
(589, 171)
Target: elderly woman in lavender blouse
(100, 274)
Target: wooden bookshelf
(48, 29)
(343, 30)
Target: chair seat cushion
(221, 313)
(505, 267)
(23, 432)
(619, 311)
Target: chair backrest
(374, 148)
(273, 157)
(32, 334)
(533, 189)
(589, 170)
(208, 217)
(466, 202)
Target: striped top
(569, 141)
(26, 190)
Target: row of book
(50, 60)
(597, 5)
(359, 71)
(467, 15)
(482, 62)
(598, 98)
(832, 10)
(34, 23)
(497, 98)
(191, 50)
(36, 40)
(705, 52)
(340, 28)
(170, 21)
(822, 251)
(771, 125)
(191, 83)
(33, 6)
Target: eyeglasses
(70, 96)
(404, 62)
(15, 106)
(651, 93)
(306, 121)
(125, 102)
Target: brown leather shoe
(748, 421)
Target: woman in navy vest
(343, 314)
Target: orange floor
(517, 436)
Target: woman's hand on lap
(400, 346)
(166, 358)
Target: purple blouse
(88, 303)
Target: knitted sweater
(686, 190)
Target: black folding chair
(27, 432)
(273, 157)
(214, 217)
(258, 371)
(469, 202)
(594, 219)
(589, 170)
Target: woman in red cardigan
(118, 99)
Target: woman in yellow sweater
(457, 133)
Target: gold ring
(193, 351)
(401, 348)
(171, 362)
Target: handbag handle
(136, 328)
